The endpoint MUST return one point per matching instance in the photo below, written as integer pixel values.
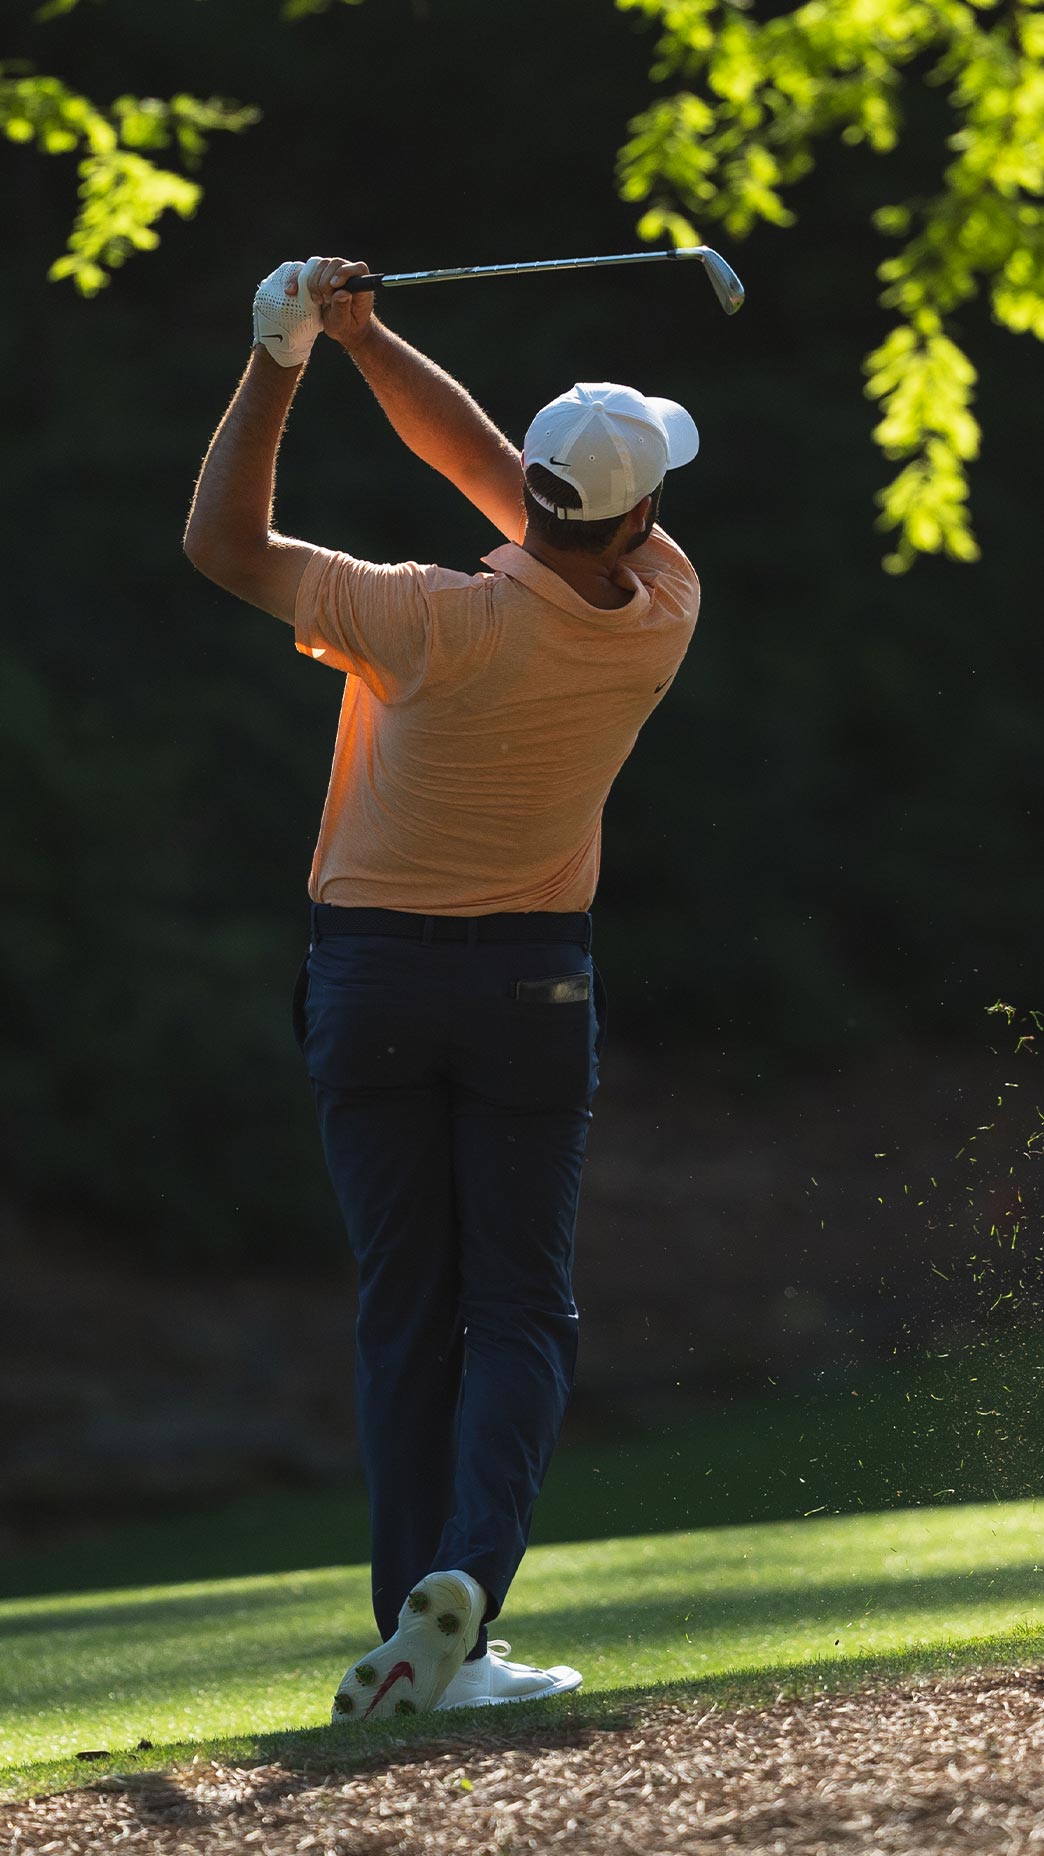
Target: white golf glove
(287, 325)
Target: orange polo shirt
(484, 720)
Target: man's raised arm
(431, 412)
(229, 535)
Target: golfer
(450, 1014)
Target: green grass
(247, 1666)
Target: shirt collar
(511, 559)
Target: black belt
(540, 925)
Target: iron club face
(724, 282)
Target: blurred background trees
(828, 840)
(769, 90)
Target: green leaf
(760, 95)
(89, 278)
(892, 219)
(122, 192)
(58, 141)
(658, 220)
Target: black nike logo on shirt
(663, 685)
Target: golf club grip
(366, 282)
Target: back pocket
(570, 989)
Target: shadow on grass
(307, 1757)
(195, 1625)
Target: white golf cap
(611, 443)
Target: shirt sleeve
(370, 620)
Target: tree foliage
(123, 189)
(727, 149)
(763, 93)
(826, 843)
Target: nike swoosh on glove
(287, 325)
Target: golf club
(727, 287)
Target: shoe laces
(498, 1647)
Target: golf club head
(727, 287)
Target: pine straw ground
(952, 1766)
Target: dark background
(821, 864)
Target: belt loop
(473, 930)
(428, 930)
(314, 924)
(587, 933)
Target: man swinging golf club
(450, 1014)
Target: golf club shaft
(727, 285)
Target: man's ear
(638, 524)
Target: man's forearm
(232, 506)
(439, 421)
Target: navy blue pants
(454, 1086)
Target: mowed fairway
(238, 1659)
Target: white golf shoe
(491, 1679)
(438, 1624)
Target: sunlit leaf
(761, 94)
(123, 193)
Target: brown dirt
(942, 1766)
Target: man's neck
(593, 576)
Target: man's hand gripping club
(287, 319)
